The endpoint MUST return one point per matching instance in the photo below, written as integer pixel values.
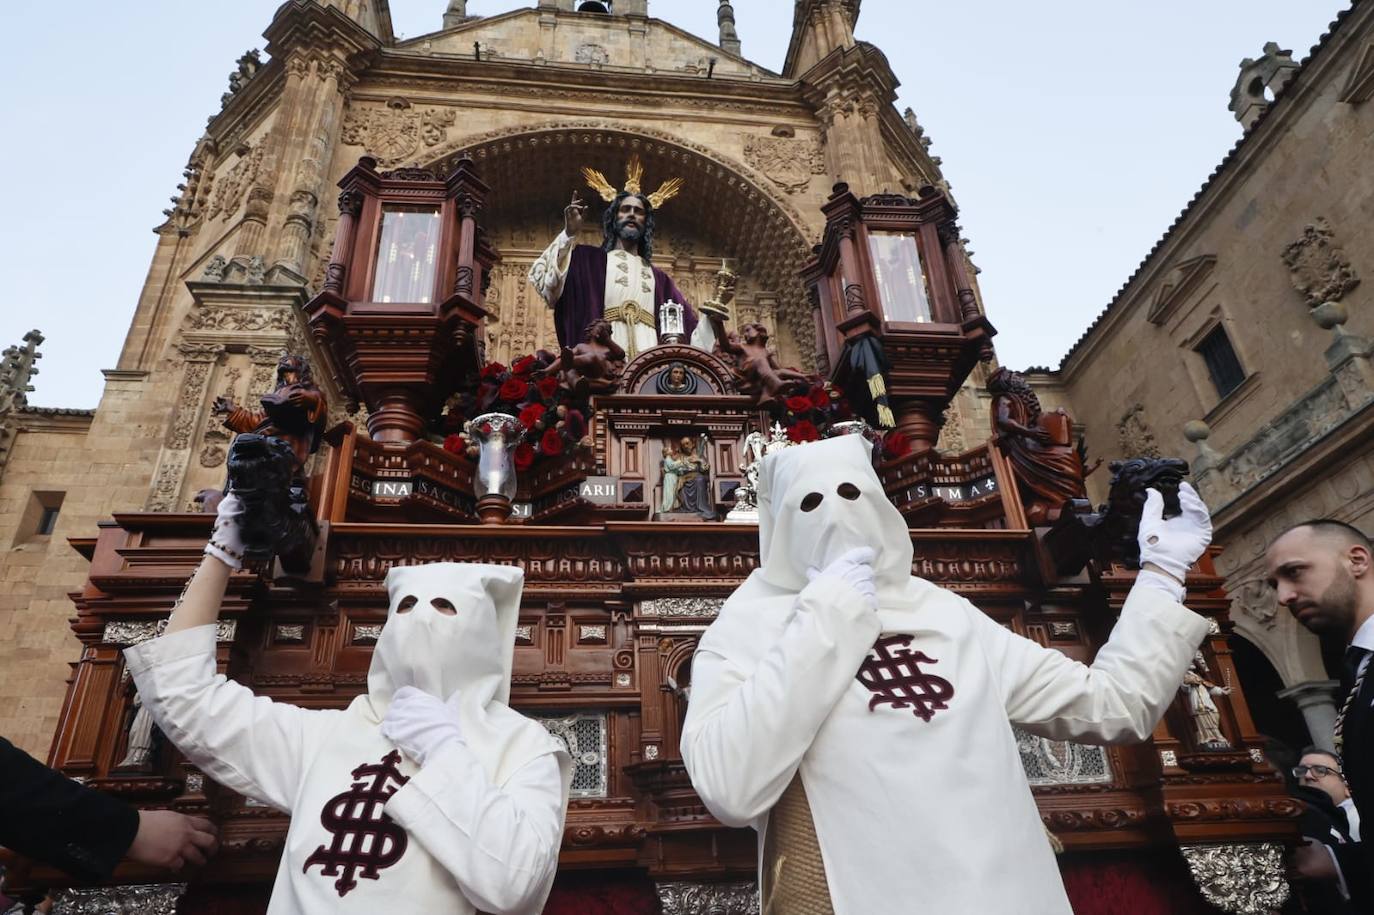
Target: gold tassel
(885, 417)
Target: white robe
(629, 293)
(911, 815)
(457, 837)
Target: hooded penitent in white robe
(478, 826)
(900, 721)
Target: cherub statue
(756, 366)
(294, 411)
(594, 365)
(1206, 717)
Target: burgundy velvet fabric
(584, 295)
(1099, 883)
(1153, 882)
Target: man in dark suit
(1323, 572)
(53, 819)
(1331, 857)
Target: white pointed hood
(468, 651)
(819, 500)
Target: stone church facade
(533, 94)
(530, 95)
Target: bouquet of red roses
(529, 391)
(813, 415)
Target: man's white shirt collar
(1364, 638)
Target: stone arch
(532, 170)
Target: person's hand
(172, 840)
(854, 568)
(1174, 545)
(573, 214)
(419, 724)
(226, 540)
(1313, 861)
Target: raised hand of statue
(222, 405)
(573, 214)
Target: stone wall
(1281, 227)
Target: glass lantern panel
(407, 255)
(901, 281)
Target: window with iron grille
(1222, 362)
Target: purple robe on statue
(584, 296)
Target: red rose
(513, 389)
(820, 397)
(493, 369)
(524, 456)
(523, 366)
(548, 386)
(551, 443)
(454, 444)
(798, 404)
(802, 431)
(895, 444)
(531, 415)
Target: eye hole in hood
(818, 500)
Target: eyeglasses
(1317, 771)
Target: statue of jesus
(615, 282)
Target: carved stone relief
(1318, 268)
(788, 163)
(1256, 600)
(1287, 435)
(591, 54)
(229, 189)
(952, 439)
(396, 132)
(200, 359)
(1134, 435)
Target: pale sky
(1073, 133)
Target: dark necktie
(1354, 656)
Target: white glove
(1174, 545)
(419, 724)
(854, 568)
(226, 540)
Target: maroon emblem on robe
(893, 674)
(366, 840)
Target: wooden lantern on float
(892, 266)
(402, 305)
